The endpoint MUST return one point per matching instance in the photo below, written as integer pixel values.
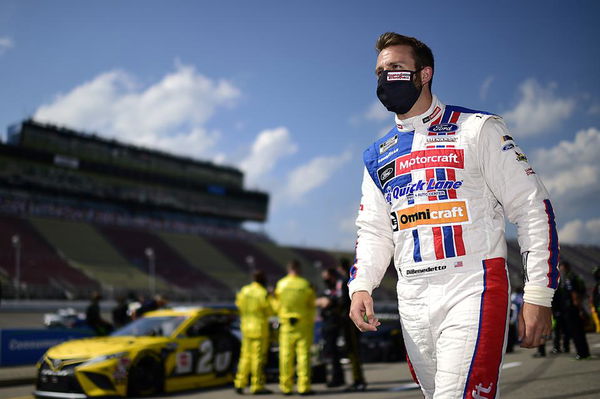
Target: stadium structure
(81, 213)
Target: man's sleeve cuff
(359, 286)
(537, 295)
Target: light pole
(152, 270)
(250, 262)
(16, 242)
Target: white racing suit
(435, 192)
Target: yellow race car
(164, 351)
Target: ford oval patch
(443, 128)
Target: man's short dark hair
(294, 265)
(421, 52)
(260, 277)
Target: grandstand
(86, 210)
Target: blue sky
(286, 90)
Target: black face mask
(397, 92)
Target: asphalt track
(523, 376)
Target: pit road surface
(523, 376)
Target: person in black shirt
(573, 288)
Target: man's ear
(426, 74)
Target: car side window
(208, 325)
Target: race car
(164, 351)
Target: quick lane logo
(433, 158)
(422, 188)
(434, 213)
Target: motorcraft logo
(392, 76)
(435, 213)
(389, 143)
(431, 158)
(443, 128)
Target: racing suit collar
(416, 122)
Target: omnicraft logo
(433, 158)
(430, 213)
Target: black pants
(330, 337)
(561, 333)
(577, 331)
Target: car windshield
(151, 327)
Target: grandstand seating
(200, 254)
(40, 263)
(84, 248)
(239, 251)
(170, 266)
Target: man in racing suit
(255, 308)
(435, 192)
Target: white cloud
(571, 168)
(580, 232)
(168, 115)
(377, 112)
(269, 147)
(485, 87)
(6, 43)
(539, 109)
(313, 174)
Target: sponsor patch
(389, 143)
(423, 270)
(507, 138)
(422, 188)
(431, 158)
(432, 115)
(442, 139)
(386, 173)
(402, 75)
(443, 128)
(521, 157)
(529, 171)
(508, 146)
(435, 213)
(388, 155)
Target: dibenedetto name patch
(435, 213)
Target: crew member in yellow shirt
(295, 301)
(255, 309)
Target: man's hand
(361, 309)
(535, 325)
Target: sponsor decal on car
(401, 75)
(443, 128)
(435, 213)
(389, 143)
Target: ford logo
(443, 128)
(386, 173)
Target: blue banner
(22, 347)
